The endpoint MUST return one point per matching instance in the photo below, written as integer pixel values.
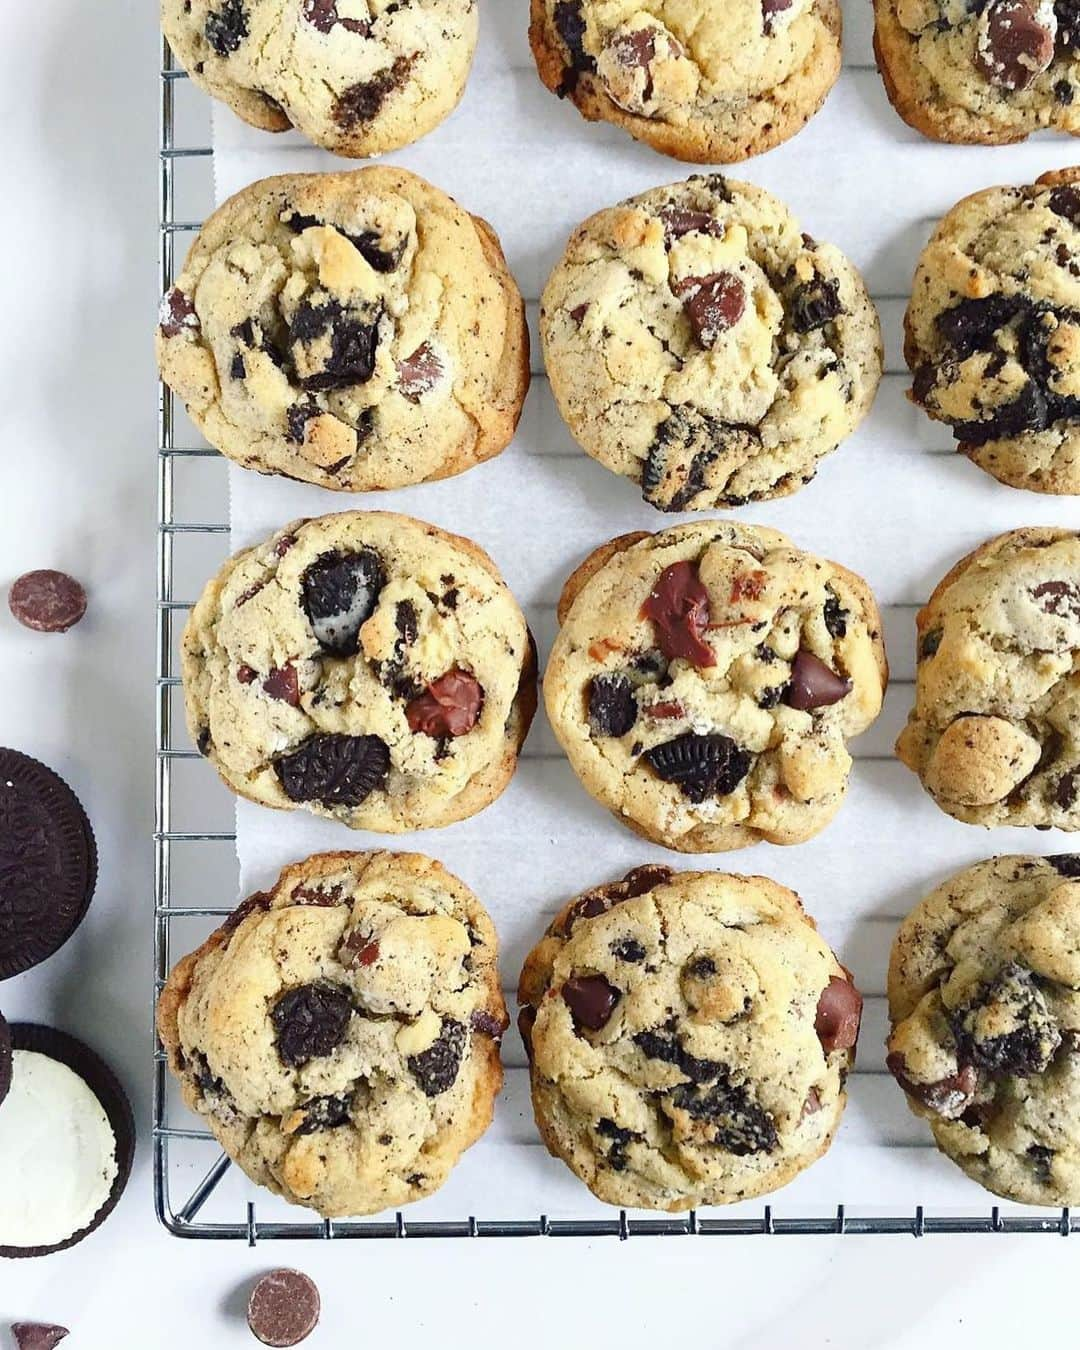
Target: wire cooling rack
(183, 858)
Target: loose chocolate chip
(1015, 47)
(571, 27)
(835, 616)
(678, 605)
(929, 644)
(628, 949)
(334, 770)
(324, 1113)
(591, 1001)
(450, 706)
(1012, 1000)
(948, 1097)
(813, 684)
(770, 9)
(362, 102)
(613, 709)
(1060, 598)
(679, 220)
(310, 1022)
(701, 766)
(47, 601)
(284, 1308)
(487, 1024)
(713, 304)
(339, 592)
(814, 304)
(284, 685)
(839, 1012)
(177, 313)
(227, 27)
(741, 1126)
(37, 1335)
(1067, 789)
(1066, 864)
(436, 1068)
(420, 373)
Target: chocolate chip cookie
(365, 667)
(340, 1032)
(705, 681)
(995, 731)
(689, 1034)
(703, 82)
(985, 1024)
(993, 331)
(701, 346)
(988, 72)
(354, 330)
(358, 77)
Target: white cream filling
(57, 1154)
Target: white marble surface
(77, 481)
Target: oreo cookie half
(67, 1140)
(48, 862)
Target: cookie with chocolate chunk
(705, 682)
(985, 1034)
(354, 330)
(365, 667)
(702, 347)
(358, 77)
(995, 731)
(339, 1033)
(992, 332)
(689, 1035)
(987, 73)
(703, 82)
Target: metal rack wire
(183, 1219)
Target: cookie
(354, 330)
(48, 863)
(701, 346)
(995, 731)
(705, 680)
(985, 1034)
(703, 82)
(340, 1032)
(988, 73)
(67, 1140)
(358, 77)
(992, 332)
(689, 1035)
(365, 667)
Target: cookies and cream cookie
(689, 1035)
(354, 330)
(339, 1033)
(363, 666)
(698, 344)
(705, 681)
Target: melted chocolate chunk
(613, 710)
(334, 770)
(702, 766)
(420, 373)
(451, 706)
(680, 220)
(310, 1022)
(813, 684)
(339, 592)
(362, 102)
(1016, 47)
(177, 312)
(591, 1001)
(678, 605)
(948, 1097)
(713, 304)
(839, 1012)
(436, 1068)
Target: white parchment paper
(894, 502)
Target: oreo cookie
(48, 862)
(5, 1058)
(66, 1105)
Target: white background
(78, 296)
